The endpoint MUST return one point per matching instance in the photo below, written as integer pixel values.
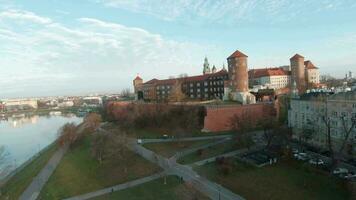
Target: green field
(80, 173)
(209, 152)
(286, 180)
(168, 149)
(153, 133)
(18, 183)
(157, 190)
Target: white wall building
(274, 78)
(313, 111)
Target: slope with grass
(209, 152)
(18, 183)
(174, 189)
(80, 173)
(286, 180)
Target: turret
(298, 72)
(137, 82)
(237, 68)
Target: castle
(231, 84)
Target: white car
(316, 162)
(350, 176)
(139, 141)
(301, 156)
(340, 171)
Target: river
(23, 137)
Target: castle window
(205, 83)
(198, 84)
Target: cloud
(41, 55)
(24, 16)
(229, 11)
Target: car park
(301, 156)
(315, 161)
(340, 171)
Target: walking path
(185, 139)
(117, 187)
(33, 190)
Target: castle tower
(298, 72)
(237, 68)
(238, 78)
(206, 67)
(137, 82)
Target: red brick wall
(218, 118)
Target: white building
(311, 73)
(20, 104)
(274, 78)
(313, 111)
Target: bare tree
(98, 145)
(176, 93)
(125, 93)
(242, 124)
(67, 134)
(92, 121)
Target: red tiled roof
(258, 73)
(138, 78)
(237, 54)
(296, 56)
(187, 79)
(309, 65)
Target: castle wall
(218, 118)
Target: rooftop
(309, 65)
(296, 56)
(237, 54)
(257, 73)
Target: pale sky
(67, 47)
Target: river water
(23, 137)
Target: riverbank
(16, 183)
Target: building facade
(272, 78)
(312, 114)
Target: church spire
(206, 66)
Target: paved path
(117, 187)
(204, 146)
(210, 189)
(33, 190)
(186, 139)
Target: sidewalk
(117, 187)
(33, 190)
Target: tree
(67, 134)
(242, 124)
(92, 121)
(176, 93)
(98, 145)
(270, 130)
(125, 93)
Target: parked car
(139, 141)
(301, 156)
(315, 161)
(340, 171)
(350, 176)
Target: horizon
(63, 48)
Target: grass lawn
(153, 133)
(286, 180)
(80, 173)
(157, 190)
(168, 149)
(18, 183)
(209, 152)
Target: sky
(66, 47)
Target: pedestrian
(112, 190)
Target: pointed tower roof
(237, 54)
(138, 78)
(296, 56)
(309, 65)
